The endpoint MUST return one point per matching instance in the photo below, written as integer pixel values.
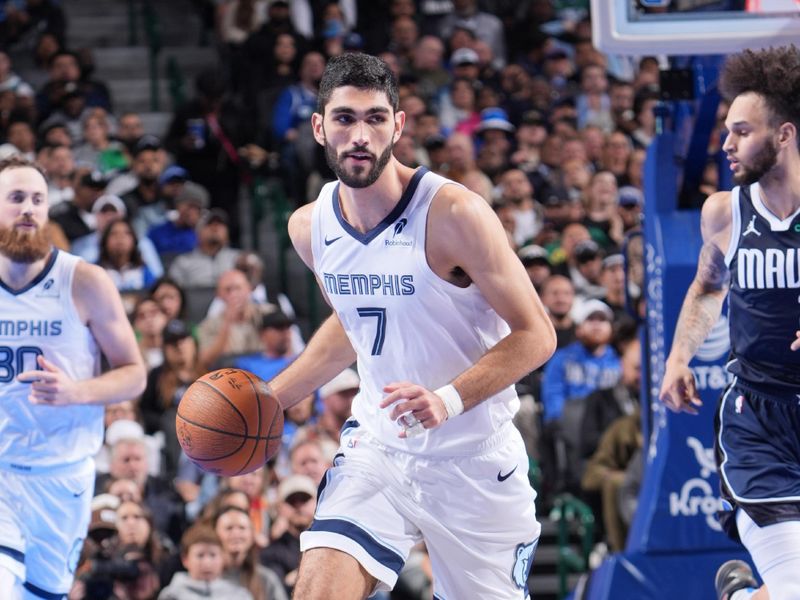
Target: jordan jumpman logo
(751, 228)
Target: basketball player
(751, 252)
(442, 318)
(57, 315)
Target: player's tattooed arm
(703, 302)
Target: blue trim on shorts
(40, 593)
(437, 597)
(13, 553)
(385, 556)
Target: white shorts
(44, 517)
(476, 514)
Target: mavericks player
(751, 252)
(57, 315)
(442, 319)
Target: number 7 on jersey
(380, 333)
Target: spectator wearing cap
(631, 204)
(612, 278)
(583, 366)
(465, 63)
(337, 399)
(586, 270)
(297, 500)
(238, 329)
(486, 26)
(171, 182)
(107, 209)
(145, 205)
(203, 266)
(276, 347)
(602, 211)
(178, 235)
(166, 385)
(76, 218)
(536, 261)
(495, 129)
(516, 188)
(123, 423)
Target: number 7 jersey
(404, 322)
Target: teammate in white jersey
(437, 310)
(57, 315)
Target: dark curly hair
(361, 71)
(772, 73)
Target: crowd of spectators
(510, 99)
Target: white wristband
(452, 400)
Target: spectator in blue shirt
(583, 366)
(178, 235)
(276, 338)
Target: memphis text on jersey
(24, 327)
(361, 284)
(766, 269)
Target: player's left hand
(796, 343)
(410, 398)
(51, 385)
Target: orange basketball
(228, 422)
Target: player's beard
(24, 247)
(359, 178)
(762, 163)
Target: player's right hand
(678, 389)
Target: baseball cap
(613, 260)
(464, 56)
(494, 117)
(215, 215)
(94, 179)
(175, 331)
(146, 142)
(124, 429)
(296, 484)
(630, 196)
(586, 250)
(589, 308)
(194, 193)
(103, 523)
(346, 380)
(276, 319)
(434, 142)
(173, 173)
(533, 254)
(109, 201)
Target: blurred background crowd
(507, 97)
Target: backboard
(692, 27)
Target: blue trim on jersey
(349, 424)
(49, 265)
(385, 556)
(366, 238)
(40, 593)
(13, 553)
(437, 597)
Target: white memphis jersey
(404, 322)
(41, 319)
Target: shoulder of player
(715, 218)
(90, 282)
(457, 209)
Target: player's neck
(780, 189)
(16, 275)
(365, 207)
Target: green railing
(177, 83)
(152, 27)
(572, 516)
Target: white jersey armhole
(736, 226)
(71, 263)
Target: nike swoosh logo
(329, 242)
(501, 477)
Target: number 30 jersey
(404, 322)
(41, 319)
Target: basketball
(228, 422)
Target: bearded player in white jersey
(58, 314)
(436, 309)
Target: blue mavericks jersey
(764, 298)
